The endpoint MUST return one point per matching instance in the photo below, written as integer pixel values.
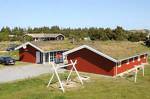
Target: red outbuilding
(94, 61)
(36, 53)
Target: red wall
(28, 54)
(124, 66)
(144, 60)
(88, 61)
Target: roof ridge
(92, 49)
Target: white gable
(28, 43)
(92, 49)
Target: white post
(143, 69)
(43, 58)
(58, 78)
(69, 74)
(50, 80)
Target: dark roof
(43, 35)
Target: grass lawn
(98, 87)
(5, 44)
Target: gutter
(116, 69)
(133, 56)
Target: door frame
(38, 57)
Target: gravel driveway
(12, 73)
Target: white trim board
(92, 49)
(28, 43)
(133, 56)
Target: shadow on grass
(130, 78)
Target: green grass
(99, 87)
(13, 54)
(5, 44)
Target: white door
(38, 57)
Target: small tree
(4, 34)
(137, 36)
(119, 34)
(27, 38)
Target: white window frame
(51, 56)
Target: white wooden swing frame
(55, 72)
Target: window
(46, 57)
(51, 56)
(54, 56)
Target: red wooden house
(38, 53)
(94, 61)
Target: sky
(130, 14)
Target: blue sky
(131, 14)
